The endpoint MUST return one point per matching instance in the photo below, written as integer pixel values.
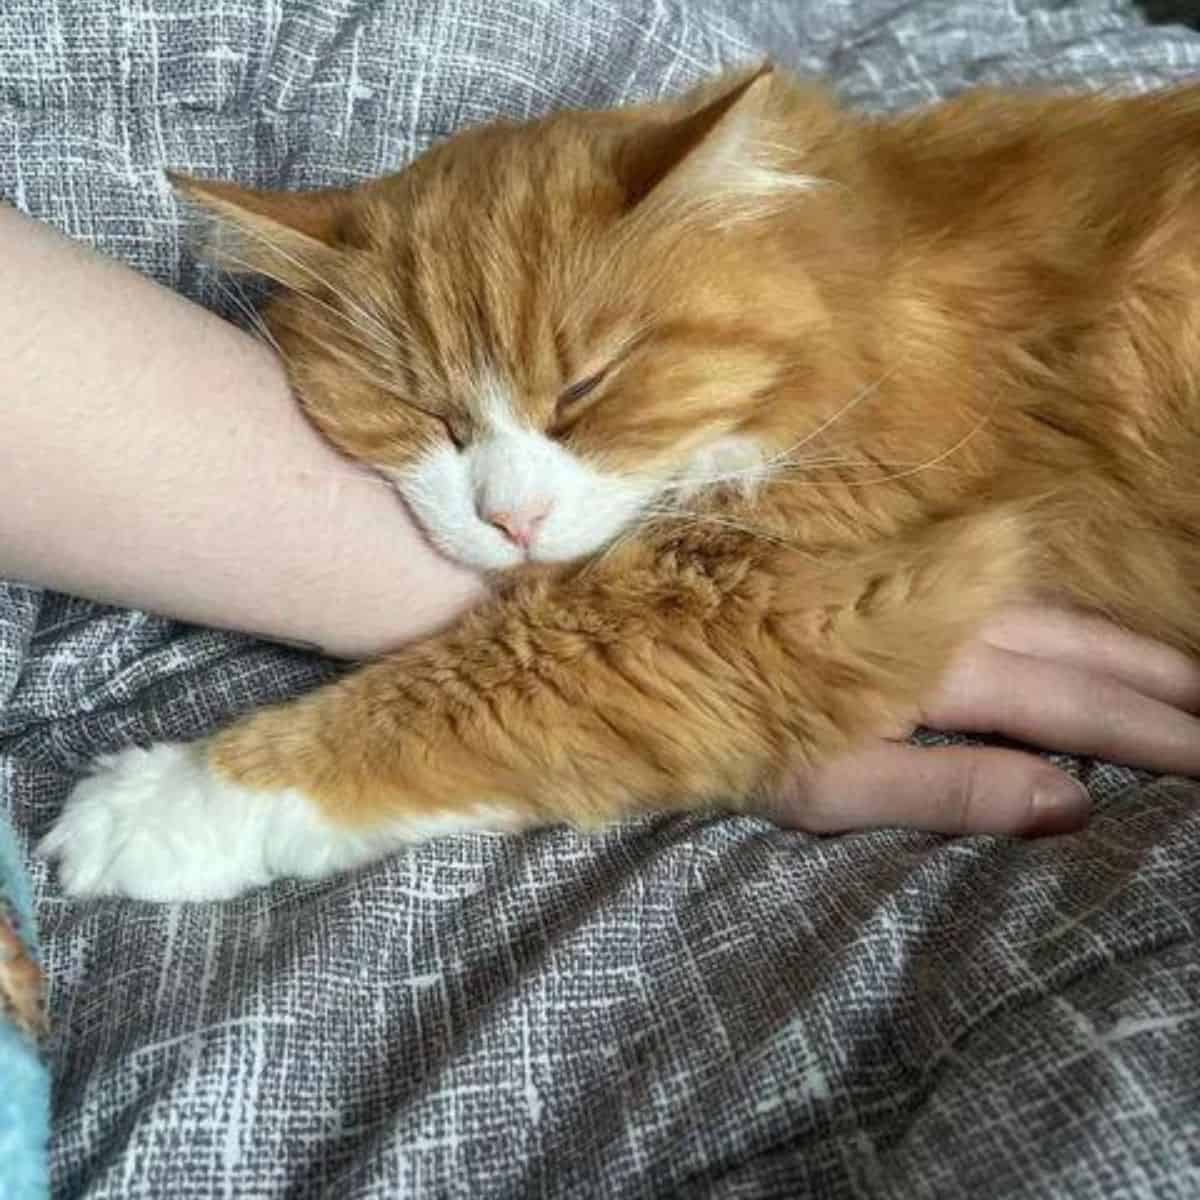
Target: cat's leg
(660, 682)
(167, 823)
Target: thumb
(948, 790)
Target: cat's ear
(291, 237)
(713, 151)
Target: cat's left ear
(291, 237)
(717, 149)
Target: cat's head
(543, 332)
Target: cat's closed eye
(456, 431)
(578, 391)
(582, 388)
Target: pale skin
(158, 460)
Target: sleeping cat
(756, 408)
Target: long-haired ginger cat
(756, 408)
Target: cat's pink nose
(520, 525)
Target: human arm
(155, 458)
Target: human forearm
(154, 457)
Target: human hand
(1046, 676)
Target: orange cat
(760, 407)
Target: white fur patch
(511, 467)
(734, 461)
(158, 824)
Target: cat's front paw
(157, 824)
(161, 824)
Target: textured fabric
(693, 1007)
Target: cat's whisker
(273, 245)
(656, 510)
(376, 341)
(724, 523)
(858, 398)
(390, 352)
(351, 333)
(915, 469)
(858, 464)
(257, 327)
(838, 464)
(784, 459)
(933, 462)
(359, 364)
(348, 327)
(759, 477)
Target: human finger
(1060, 707)
(1093, 644)
(955, 790)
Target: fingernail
(1060, 806)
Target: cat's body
(760, 407)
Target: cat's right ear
(291, 237)
(709, 151)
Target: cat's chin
(508, 558)
(481, 555)
(479, 558)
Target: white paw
(158, 824)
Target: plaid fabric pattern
(692, 1007)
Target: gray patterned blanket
(693, 1007)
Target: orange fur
(972, 349)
